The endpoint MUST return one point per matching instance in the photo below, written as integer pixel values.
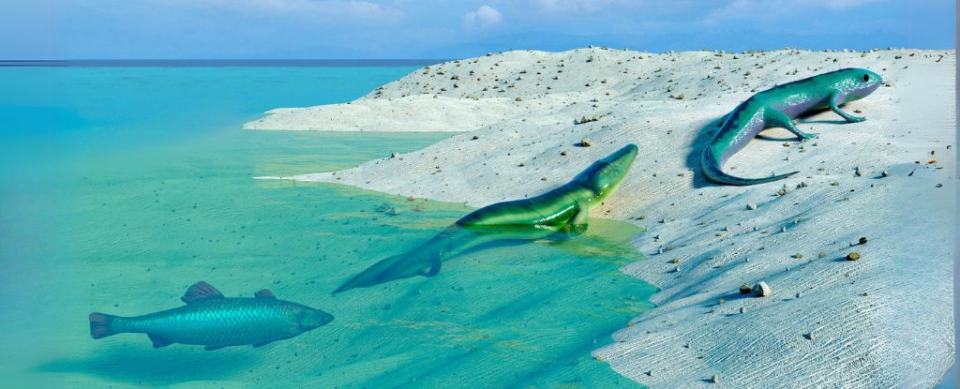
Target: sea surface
(121, 184)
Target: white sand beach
(885, 320)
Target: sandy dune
(883, 321)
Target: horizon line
(216, 62)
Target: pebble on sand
(586, 142)
(853, 256)
(762, 289)
(745, 289)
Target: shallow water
(120, 187)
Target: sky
(449, 29)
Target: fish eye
(866, 77)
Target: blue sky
(282, 29)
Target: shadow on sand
(704, 135)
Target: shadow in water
(507, 315)
(146, 366)
(427, 259)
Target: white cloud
(483, 17)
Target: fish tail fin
(715, 173)
(101, 325)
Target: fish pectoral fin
(433, 270)
(158, 342)
(846, 116)
(201, 291)
(265, 294)
(776, 118)
(214, 347)
(261, 344)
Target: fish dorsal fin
(201, 291)
(264, 294)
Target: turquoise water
(122, 186)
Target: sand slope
(883, 321)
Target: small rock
(745, 289)
(676, 269)
(585, 142)
(853, 256)
(885, 174)
(863, 240)
(797, 295)
(715, 379)
(762, 289)
(475, 137)
(751, 206)
(743, 310)
(395, 155)
(808, 335)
